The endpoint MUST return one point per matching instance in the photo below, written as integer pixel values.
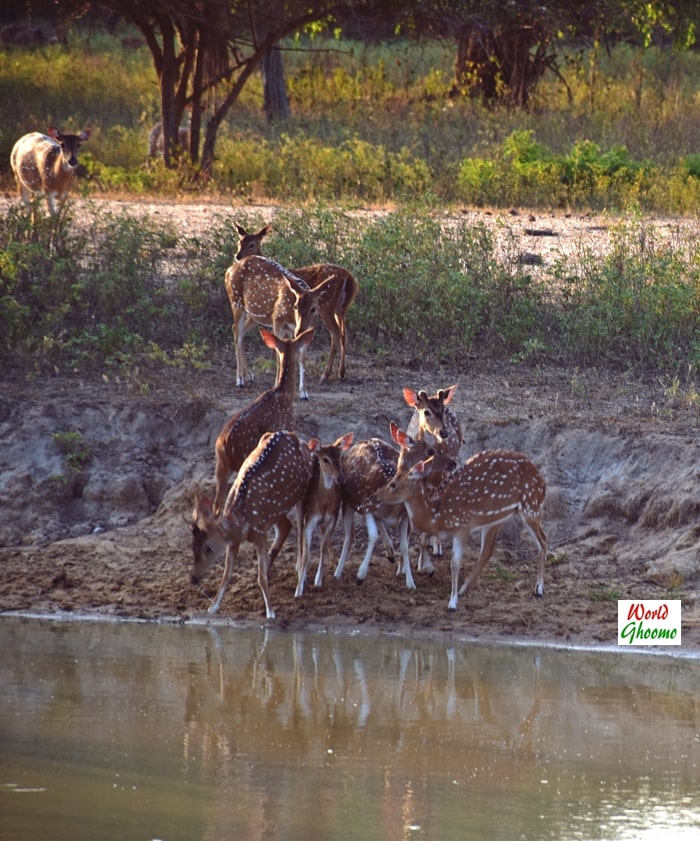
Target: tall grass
(374, 124)
(114, 293)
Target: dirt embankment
(96, 477)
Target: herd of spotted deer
(414, 483)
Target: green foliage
(73, 296)
(372, 125)
(377, 123)
(641, 303)
(75, 450)
(117, 291)
(527, 172)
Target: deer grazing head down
(272, 480)
(263, 291)
(333, 302)
(46, 163)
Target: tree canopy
(204, 51)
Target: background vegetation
(370, 125)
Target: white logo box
(649, 622)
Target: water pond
(137, 732)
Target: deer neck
(420, 509)
(285, 376)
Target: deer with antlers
(333, 302)
(270, 411)
(481, 495)
(434, 421)
(261, 290)
(321, 505)
(272, 480)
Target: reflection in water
(143, 731)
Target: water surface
(142, 731)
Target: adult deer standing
(46, 163)
(271, 411)
(272, 480)
(332, 304)
(481, 495)
(262, 291)
(435, 422)
(321, 505)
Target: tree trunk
(275, 100)
(500, 65)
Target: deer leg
(260, 542)
(535, 528)
(343, 339)
(242, 371)
(303, 393)
(372, 535)
(349, 529)
(388, 543)
(425, 563)
(488, 540)
(304, 554)
(454, 568)
(282, 528)
(326, 549)
(403, 543)
(332, 328)
(231, 553)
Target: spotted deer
(46, 163)
(333, 304)
(367, 466)
(433, 421)
(481, 495)
(272, 480)
(321, 505)
(270, 411)
(261, 290)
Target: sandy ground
(112, 538)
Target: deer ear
(410, 396)
(241, 230)
(304, 339)
(85, 134)
(417, 469)
(52, 131)
(399, 436)
(448, 393)
(202, 506)
(269, 338)
(346, 441)
(313, 444)
(264, 231)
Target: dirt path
(620, 459)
